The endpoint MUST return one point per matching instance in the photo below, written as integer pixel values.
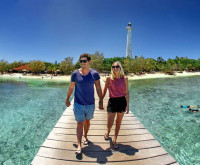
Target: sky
(51, 30)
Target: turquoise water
(28, 112)
(156, 103)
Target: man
(83, 80)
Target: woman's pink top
(117, 87)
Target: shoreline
(103, 77)
(162, 75)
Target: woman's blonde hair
(121, 70)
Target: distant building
(23, 68)
(129, 41)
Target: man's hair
(85, 55)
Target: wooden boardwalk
(136, 145)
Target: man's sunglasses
(116, 66)
(84, 61)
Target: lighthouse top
(129, 28)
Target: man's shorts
(82, 112)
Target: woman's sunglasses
(84, 61)
(117, 66)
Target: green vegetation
(67, 65)
(37, 66)
(97, 61)
(3, 66)
(137, 65)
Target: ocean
(156, 103)
(28, 111)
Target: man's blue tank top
(84, 87)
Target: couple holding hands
(83, 80)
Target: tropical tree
(37, 66)
(198, 64)
(128, 65)
(168, 69)
(3, 66)
(160, 60)
(150, 65)
(15, 64)
(172, 64)
(107, 64)
(77, 65)
(97, 61)
(138, 65)
(190, 67)
(160, 64)
(67, 65)
(52, 68)
(47, 65)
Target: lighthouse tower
(129, 41)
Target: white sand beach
(103, 76)
(41, 77)
(162, 75)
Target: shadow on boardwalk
(97, 152)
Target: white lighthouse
(129, 41)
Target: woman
(118, 103)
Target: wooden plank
(99, 127)
(158, 160)
(94, 146)
(101, 156)
(101, 132)
(71, 117)
(99, 122)
(51, 161)
(96, 139)
(97, 112)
